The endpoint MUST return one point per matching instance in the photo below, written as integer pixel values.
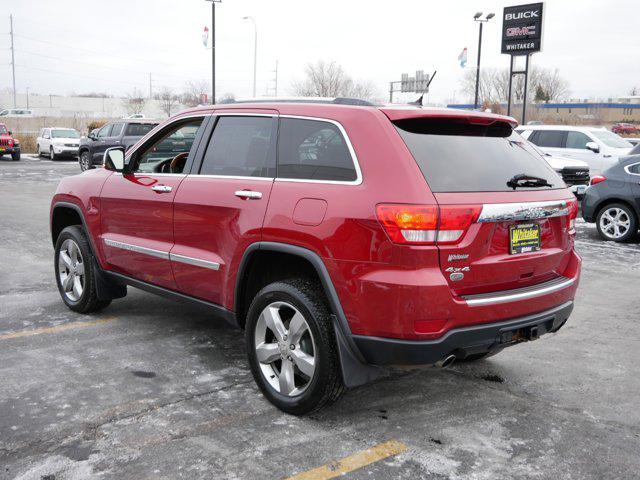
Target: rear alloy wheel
(617, 222)
(85, 161)
(291, 347)
(75, 274)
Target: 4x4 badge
(457, 273)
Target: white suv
(58, 142)
(597, 146)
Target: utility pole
(255, 51)
(481, 21)
(27, 97)
(276, 80)
(213, 49)
(13, 62)
(150, 87)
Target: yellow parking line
(58, 328)
(353, 462)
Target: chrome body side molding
(174, 257)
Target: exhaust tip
(446, 361)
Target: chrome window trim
(194, 261)
(626, 169)
(232, 177)
(506, 212)
(136, 248)
(517, 295)
(352, 152)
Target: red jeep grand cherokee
(341, 236)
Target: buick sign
(522, 29)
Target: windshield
(456, 157)
(611, 139)
(3, 130)
(64, 133)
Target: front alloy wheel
(85, 161)
(616, 222)
(52, 154)
(71, 270)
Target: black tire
(633, 222)
(88, 301)
(52, 154)
(15, 156)
(38, 151)
(326, 386)
(85, 161)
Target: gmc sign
(522, 29)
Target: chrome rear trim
(520, 293)
(137, 248)
(194, 261)
(507, 212)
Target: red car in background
(624, 128)
(8, 144)
(340, 235)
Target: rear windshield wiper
(524, 180)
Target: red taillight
(573, 214)
(597, 179)
(426, 225)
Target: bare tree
(324, 79)
(227, 98)
(494, 85)
(168, 99)
(193, 92)
(134, 101)
(635, 91)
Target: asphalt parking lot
(151, 389)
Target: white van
(597, 146)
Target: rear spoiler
(463, 116)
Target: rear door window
(456, 157)
(116, 129)
(241, 146)
(314, 150)
(548, 138)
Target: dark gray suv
(120, 133)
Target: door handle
(162, 188)
(249, 194)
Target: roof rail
(326, 101)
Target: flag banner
(205, 36)
(462, 58)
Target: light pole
(481, 21)
(213, 49)
(255, 51)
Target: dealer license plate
(524, 238)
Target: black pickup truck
(118, 133)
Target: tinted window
(116, 130)
(313, 150)
(577, 140)
(166, 152)
(548, 138)
(635, 169)
(471, 158)
(138, 129)
(104, 131)
(240, 146)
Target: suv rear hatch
(502, 233)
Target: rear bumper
(463, 341)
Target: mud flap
(105, 288)
(354, 371)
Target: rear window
(459, 157)
(549, 138)
(138, 129)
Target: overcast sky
(66, 46)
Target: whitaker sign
(522, 29)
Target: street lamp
(213, 49)
(255, 51)
(481, 21)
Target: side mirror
(10, 132)
(114, 159)
(593, 146)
